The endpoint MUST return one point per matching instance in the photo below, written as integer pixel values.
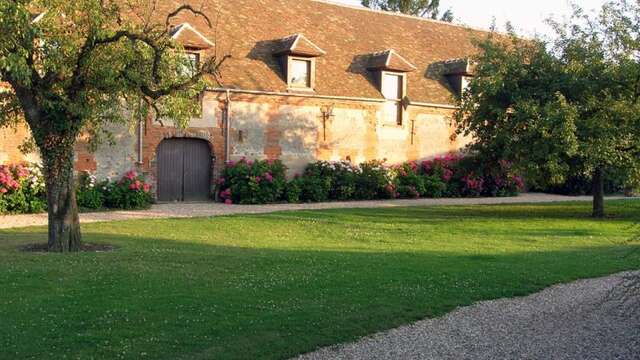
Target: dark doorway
(184, 170)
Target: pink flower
(3, 190)
(132, 186)
(258, 179)
(131, 175)
(22, 171)
(226, 194)
(427, 165)
(519, 182)
(228, 202)
(231, 164)
(146, 188)
(268, 177)
(447, 174)
(14, 184)
(221, 181)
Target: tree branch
(189, 8)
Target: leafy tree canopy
(422, 8)
(563, 106)
(73, 67)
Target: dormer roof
(461, 67)
(389, 60)
(189, 37)
(298, 44)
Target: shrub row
(129, 192)
(264, 181)
(22, 191)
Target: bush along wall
(264, 181)
(22, 189)
(129, 192)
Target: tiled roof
(190, 37)
(298, 44)
(252, 31)
(390, 60)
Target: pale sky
(527, 16)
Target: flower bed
(129, 192)
(261, 182)
(21, 189)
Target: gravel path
(580, 320)
(186, 210)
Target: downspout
(227, 127)
(140, 137)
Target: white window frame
(400, 120)
(312, 73)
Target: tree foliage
(76, 66)
(422, 8)
(570, 105)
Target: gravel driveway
(185, 210)
(580, 320)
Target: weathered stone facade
(288, 128)
(343, 114)
(10, 141)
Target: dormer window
(193, 42)
(298, 61)
(392, 86)
(300, 74)
(192, 63)
(390, 70)
(459, 73)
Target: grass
(275, 285)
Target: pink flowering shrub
(503, 180)
(22, 189)
(252, 182)
(450, 175)
(130, 192)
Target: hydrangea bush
(252, 182)
(22, 189)
(130, 192)
(89, 195)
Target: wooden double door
(184, 170)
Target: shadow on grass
(185, 299)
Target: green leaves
(424, 8)
(559, 108)
(83, 63)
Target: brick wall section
(85, 159)
(10, 141)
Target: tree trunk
(598, 192)
(64, 223)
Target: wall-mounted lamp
(326, 114)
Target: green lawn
(272, 286)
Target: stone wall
(292, 129)
(289, 128)
(10, 141)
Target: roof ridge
(391, 13)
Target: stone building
(308, 80)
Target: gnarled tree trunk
(64, 223)
(598, 192)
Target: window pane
(392, 86)
(300, 73)
(191, 65)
